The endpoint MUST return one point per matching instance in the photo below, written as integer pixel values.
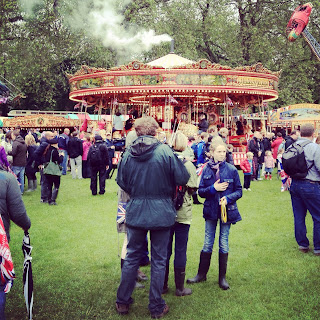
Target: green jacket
(184, 214)
(149, 171)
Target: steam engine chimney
(172, 46)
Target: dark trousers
(44, 185)
(51, 182)
(255, 173)
(247, 180)
(181, 233)
(95, 171)
(305, 196)
(159, 244)
(86, 170)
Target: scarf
(215, 166)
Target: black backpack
(294, 162)
(179, 194)
(95, 156)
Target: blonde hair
(268, 153)
(179, 142)
(30, 140)
(249, 154)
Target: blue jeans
(181, 233)
(65, 161)
(2, 302)
(19, 172)
(159, 243)
(210, 231)
(305, 195)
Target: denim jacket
(211, 208)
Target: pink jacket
(86, 146)
(269, 161)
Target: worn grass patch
(77, 269)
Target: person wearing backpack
(98, 160)
(180, 230)
(305, 187)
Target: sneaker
(43, 201)
(122, 308)
(244, 189)
(141, 276)
(162, 314)
(316, 252)
(259, 179)
(138, 285)
(249, 189)
(304, 249)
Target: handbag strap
(51, 156)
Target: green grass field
(76, 267)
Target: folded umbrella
(27, 273)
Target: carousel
(174, 89)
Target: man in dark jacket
(11, 209)
(19, 156)
(256, 147)
(149, 172)
(98, 160)
(75, 151)
(39, 157)
(294, 135)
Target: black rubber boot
(204, 264)
(179, 276)
(195, 198)
(223, 261)
(166, 278)
(35, 184)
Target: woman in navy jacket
(220, 184)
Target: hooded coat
(149, 172)
(11, 205)
(19, 152)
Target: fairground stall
(43, 122)
(173, 88)
(293, 116)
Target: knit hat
(97, 137)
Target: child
(247, 166)
(269, 164)
(285, 179)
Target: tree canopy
(41, 40)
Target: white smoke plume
(103, 20)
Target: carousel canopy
(169, 61)
(188, 82)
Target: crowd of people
(159, 177)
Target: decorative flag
(172, 99)
(77, 106)
(6, 266)
(229, 102)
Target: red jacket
(245, 166)
(275, 146)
